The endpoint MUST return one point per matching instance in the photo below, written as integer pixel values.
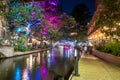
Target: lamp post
(75, 55)
(76, 60)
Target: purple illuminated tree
(52, 13)
(53, 7)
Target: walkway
(92, 68)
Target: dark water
(46, 65)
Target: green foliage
(19, 44)
(67, 26)
(76, 23)
(2, 7)
(109, 17)
(82, 14)
(55, 33)
(19, 14)
(21, 40)
(16, 47)
(20, 48)
(112, 47)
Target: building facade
(95, 35)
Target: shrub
(21, 40)
(20, 48)
(112, 47)
(23, 48)
(16, 47)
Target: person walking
(90, 45)
(85, 49)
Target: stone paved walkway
(92, 68)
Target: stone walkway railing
(13, 54)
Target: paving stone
(93, 68)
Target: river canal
(45, 65)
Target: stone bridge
(7, 51)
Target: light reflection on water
(17, 75)
(39, 66)
(37, 74)
(26, 74)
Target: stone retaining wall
(107, 57)
(7, 51)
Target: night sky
(68, 5)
